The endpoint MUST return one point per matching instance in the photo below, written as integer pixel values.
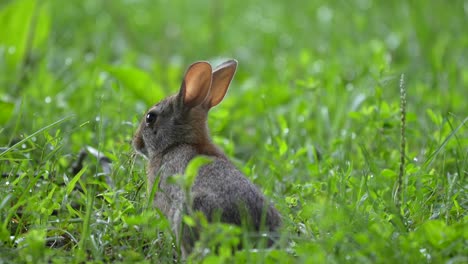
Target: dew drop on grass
(34, 139)
(47, 100)
(23, 146)
(7, 183)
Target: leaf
(363, 198)
(388, 173)
(6, 113)
(189, 221)
(283, 125)
(72, 183)
(435, 118)
(283, 146)
(33, 245)
(140, 219)
(74, 212)
(21, 20)
(5, 201)
(138, 82)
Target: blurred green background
(312, 117)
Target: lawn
(313, 117)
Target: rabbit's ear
(196, 84)
(222, 77)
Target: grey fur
(178, 134)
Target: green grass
(312, 117)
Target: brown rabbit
(175, 131)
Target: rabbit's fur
(172, 133)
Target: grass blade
(35, 133)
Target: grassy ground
(312, 118)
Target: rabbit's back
(221, 190)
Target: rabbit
(172, 133)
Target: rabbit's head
(181, 118)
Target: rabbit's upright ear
(196, 84)
(222, 77)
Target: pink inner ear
(197, 88)
(197, 82)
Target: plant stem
(399, 190)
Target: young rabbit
(175, 131)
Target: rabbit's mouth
(139, 145)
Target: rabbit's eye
(150, 118)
